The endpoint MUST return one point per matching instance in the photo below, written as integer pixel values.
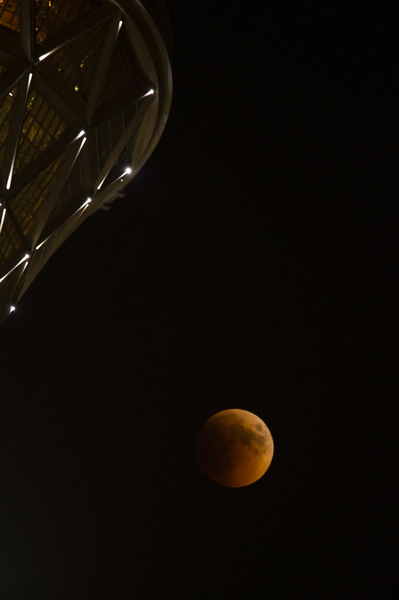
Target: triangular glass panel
(77, 62)
(54, 15)
(110, 131)
(11, 241)
(69, 200)
(27, 205)
(41, 128)
(125, 76)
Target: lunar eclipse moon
(234, 448)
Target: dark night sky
(250, 265)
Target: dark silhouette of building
(85, 92)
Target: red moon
(234, 448)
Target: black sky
(250, 265)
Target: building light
(86, 203)
(64, 163)
(25, 258)
(43, 242)
(43, 56)
(8, 184)
(3, 216)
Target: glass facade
(127, 76)
(10, 239)
(6, 105)
(53, 15)
(77, 62)
(69, 119)
(9, 15)
(110, 131)
(28, 203)
(42, 126)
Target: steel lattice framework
(85, 93)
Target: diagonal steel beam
(122, 102)
(55, 151)
(126, 136)
(27, 20)
(103, 65)
(15, 131)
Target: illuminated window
(53, 15)
(41, 128)
(9, 15)
(78, 61)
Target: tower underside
(85, 93)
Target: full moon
(234, 448)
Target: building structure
(85, 93)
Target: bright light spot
(149, 93)
(41, 244)
(17, 265)
(29, 79)
(120, 25)
(12, 308)
(80, 134)
(8, 185)
(128, 170)
(3, 216)
(43, 56)
(86, 203)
